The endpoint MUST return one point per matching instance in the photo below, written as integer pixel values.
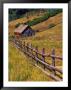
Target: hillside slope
(41, 26)
(45, 38)
(45, 25)
(51, 38)
(22, 69)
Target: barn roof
(21, 28)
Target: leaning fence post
(43, 57)
(30, 45)
(53, 60)
(36, 53)
(21, 45)
(24, 46)
(18, 41)
(31, 52)
(27, 46)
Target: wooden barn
(24, 30)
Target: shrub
(44, 17)
(51, 25)
(37, 31)
(17, 25)
(37, 20)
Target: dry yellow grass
(22, 69)
(48, 38)
(13, 23)
(51, 38)
(52, 20)
(41, 26)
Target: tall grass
(48, 39)
(22, 69)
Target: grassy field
(20, 67)
(52, 20)
(48, 39)
(41, 26)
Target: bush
(44, 17)
(37, 20)
(37, 31)
(19, 13)
(17, 25)
(51, 25)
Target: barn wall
(16, 33)
(28, 32)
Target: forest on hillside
(19, 13)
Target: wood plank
(50, 67)
(50, 75)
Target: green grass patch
(43, 18)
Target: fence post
(36, 53)
(27, 47)
(31, 50)
(21, 45)
(53, 60)
(14, 41)
(18, 42)
(24, 47)
(24, 44)
(43, 57)
(30, 45)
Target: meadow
(21, 67)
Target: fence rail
(34, 54)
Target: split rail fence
(34, 53)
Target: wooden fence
(40, 57)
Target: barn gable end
(24, 30)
